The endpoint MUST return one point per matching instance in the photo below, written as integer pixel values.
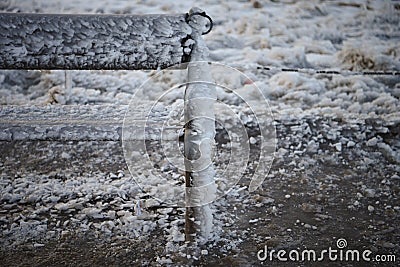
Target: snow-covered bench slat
(71, 123)
(106, 42)
(104, 123)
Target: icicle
(68, 85)
(138, 210)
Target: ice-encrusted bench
(114, 42)
(87, 42)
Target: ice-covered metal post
(200, 96)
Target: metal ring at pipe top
(203, 14)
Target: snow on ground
(338, 149)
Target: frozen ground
(335, 175)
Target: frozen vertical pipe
(200, 96)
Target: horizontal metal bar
(61, 122)
(108, 42)
(105, 122)
(82, 123)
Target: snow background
(338, 35)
